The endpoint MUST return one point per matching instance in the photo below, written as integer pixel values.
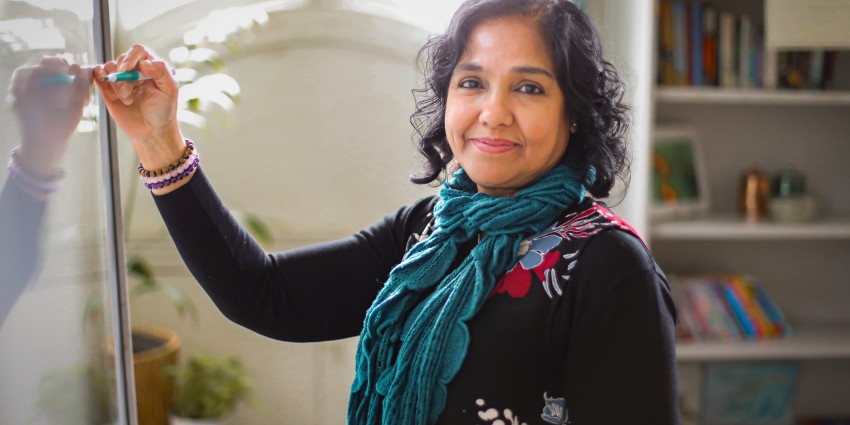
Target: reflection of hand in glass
(48, 99)
(145, 110)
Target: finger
(54, 63)
(19, 81)
(161, 75)
(82, 82)
(106, 88)
(119, 60)
(134, 55)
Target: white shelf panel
(736, 228)
(809, 343)
(716, 95)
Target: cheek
(455, 122)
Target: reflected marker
(57, 79)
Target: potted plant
(208, 388)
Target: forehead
(509, 41)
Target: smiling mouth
(493, 146)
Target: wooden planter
(153, 348)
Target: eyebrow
(474, 67)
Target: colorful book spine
(696, 43)
(745, 40)
(733, 329)
(680, 43)
(747, 327)
(774, 314)
(666, 35)
(727, 36)
(753, 308)
(709, 44)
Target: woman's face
(505, 118)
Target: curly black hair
(593, 90)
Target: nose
(496, 110)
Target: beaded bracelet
(175, 172)
(38, 187)
(175, 179)
(190, 147)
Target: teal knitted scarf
(415, 337)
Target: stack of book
(725, 308)
(813, 69)
(700, 45)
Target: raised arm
(316, 293)
(48, 113)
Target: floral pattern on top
(538, 255)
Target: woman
(511, 297)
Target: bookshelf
(720, 96)
(731, 227)
(827, 342)
(805, 267)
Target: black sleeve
(21, 217)
(620, 360)
(315, 293)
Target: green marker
(128, 76)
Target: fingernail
(145, 63)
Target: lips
(493, 146)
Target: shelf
(716, 95)
(736, 228)
(813, 343)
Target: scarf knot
(414, 337)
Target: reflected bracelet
(37, 187)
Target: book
(710, 309)
(745, 40)
(772, 311)
(727, 67)
(666, 34)
(763, 325)
(696, 41)
(733, 330)
(686, 326)
(709, 44)
(680, 44)
(748, 329)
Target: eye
(530, 89)
(469, 84)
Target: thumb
(160, 74)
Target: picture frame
(749, 393)
(679, 184)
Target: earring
(573, 127)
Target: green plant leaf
(258, 228)
(140, 268)
(181, 302)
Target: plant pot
(177, 420)
(153, 349)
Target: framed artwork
(679, 186)
(749, 393)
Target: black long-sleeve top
(580, 331)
